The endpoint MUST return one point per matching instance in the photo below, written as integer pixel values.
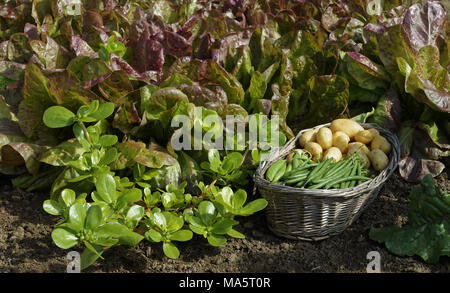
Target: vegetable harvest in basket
(340, 156)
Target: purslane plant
(118, 211)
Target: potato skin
(354, 146)
(325, 138)
(334, 153)
(378, 159)
(307, 136)
(314, 149)
(374, 131)
(364, 136)
(380, 142)
(341, 140)
(350, 127)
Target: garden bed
(26, 244)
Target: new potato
(325, 138)
(379, 159)
(379, 142)
(341, 140)
(350, 127)
(333, 153)
(364, 136)
(307, 136)
(374, 131)
(314, 149)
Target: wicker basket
(312, 215)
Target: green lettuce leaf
(427, 233)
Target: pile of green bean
(302, 172)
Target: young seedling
(61, 206)
(167, 227)
(209, 223)
(87, 224)
(229, 170)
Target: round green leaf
(103, 112)
(154, 236)
(222, 226)
(207, 211)
(174, 222)
(135, 213)
(253, 207)
(181, 235)
(109, 157)
(106, 187)
(93, 107)
(64, 238)
(68, 196)
(238, 199)
(216, 240)
(77, 215)
(107, 140)
(57, 117)
(52, 207)
(170, 250)
(93, 217)
(200, 230)
(160, 221)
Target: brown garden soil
(26, 244)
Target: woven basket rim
(347, 193)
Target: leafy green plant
(89, 225)
(209, 223)
(166, 227)
(427, 233)
(232, 203)
(94, 151)
(107, 194)
(61, 206)
(120, 208)
(230, 169)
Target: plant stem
(86, 133)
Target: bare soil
(26, 244)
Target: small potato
(379, 142)
(325, 138)
(314, 149)
(364, 136)
(379, 159)
(333, 153)
(307, 136)
(350, 127)
(374, 131)
(341, 140)
(354, 146)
